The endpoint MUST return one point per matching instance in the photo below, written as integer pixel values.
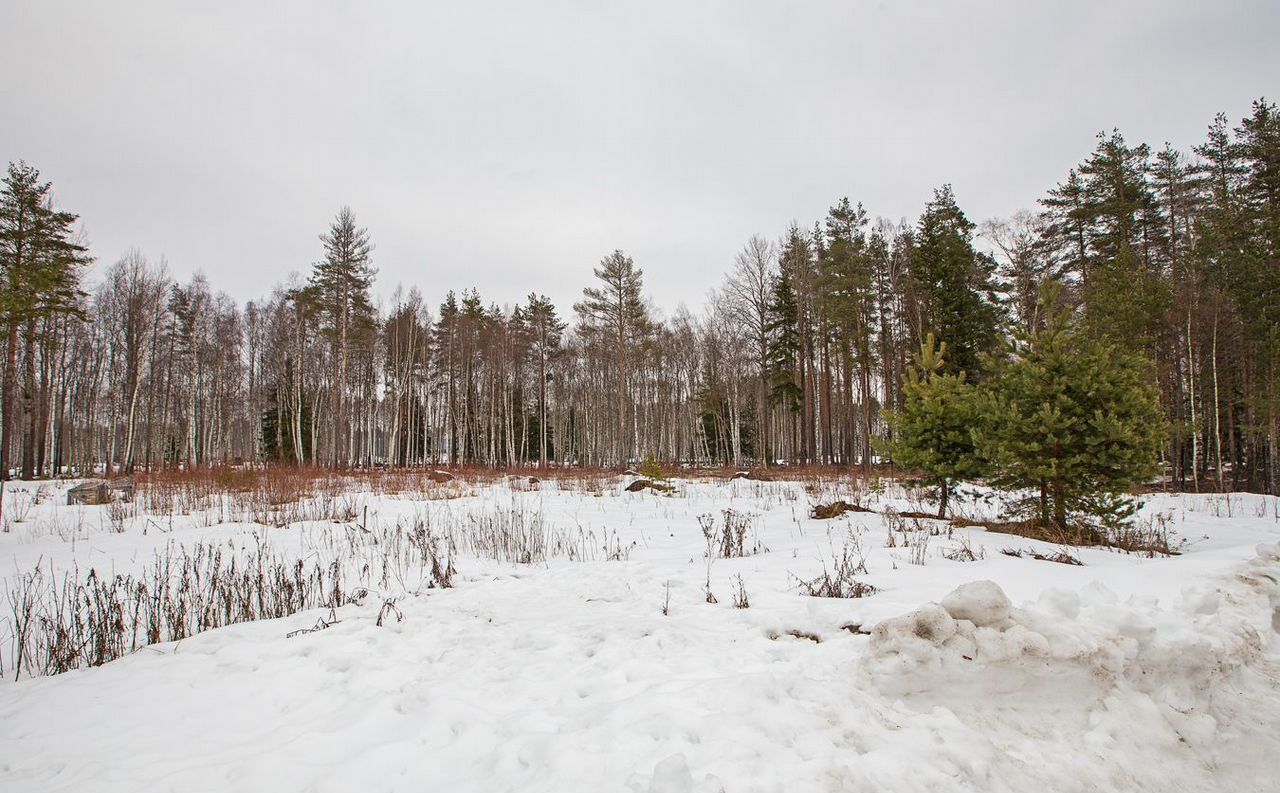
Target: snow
(983, 603)
(672, 775)
(999, 674)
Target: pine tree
(1258, 140)
(40, 264)
(1066, 218)
(1126, 295)
(339, 287)
(1257, 260)
(1118, 197)
(1178, 191)
(616, 309)
(848, 304)
(1071, 416)
(934, 433)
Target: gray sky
(511, 146)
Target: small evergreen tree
(934, 433)
(1072, 417)
(650, 469)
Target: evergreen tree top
(40, 259)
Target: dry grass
(1061, 556)
(963, 551)
(839, 576)
(62, 620)
(835, 509)
(1149, 536)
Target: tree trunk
(9, 399)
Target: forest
(801, 357)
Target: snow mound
(931, 638)
(672, 775)
(1193, 687)
(976, 623)
(983, 603)
(973, 623)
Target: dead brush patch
(1149, 537)
(1044, 531)
(918, 515)
(963, 551)
(733, 533)
(839, 576)
(835, 509)
(517, 534)
(281, 495)
(796, 633)
(1061, 556)
(61, 620)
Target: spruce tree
(275, 442)
(955, 283)
(784, 342)
(1072, 417)
(546, 329)
(446, 336)
(934, 432)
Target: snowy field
(550, 665)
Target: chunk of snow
(1200, 600)
(1061, 603)
(929, 624)
(983, 603)
(672, 775)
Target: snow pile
(977, 623)
(672, 775)
(983, 603)
(1190, 695)
(973, 623)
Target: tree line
(802, 356)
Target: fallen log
(836, 509)
(642, 484)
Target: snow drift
(1095, 693)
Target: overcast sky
(511, 146)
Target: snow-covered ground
(1124, 673)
